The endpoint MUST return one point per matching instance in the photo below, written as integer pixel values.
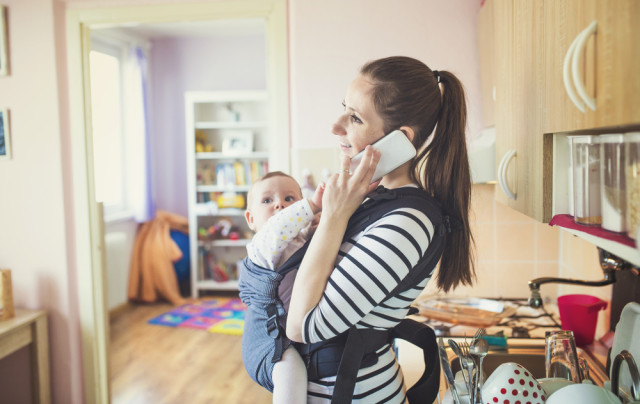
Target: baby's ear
(249, 218)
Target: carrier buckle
(273, 328)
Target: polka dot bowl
(510, 383)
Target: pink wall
(331, 39)
(34, 235)
(200, 64)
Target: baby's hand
(316, 199)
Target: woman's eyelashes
(352, 117)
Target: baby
(282, 220)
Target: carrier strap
(275, 331)
(361, 341)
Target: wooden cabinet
(227, 138)
(487, 59)
(519, 76)
(534, 110)
(607, 66)
(531, 41)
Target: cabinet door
(504, 104)
(608, 65)
(521, 110)
(486, 57)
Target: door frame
(89, 245)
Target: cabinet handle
(502, 173)
(566, 76)
(575, 71)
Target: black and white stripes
(367, 269)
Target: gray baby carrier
(264, 339)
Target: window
(108, 134)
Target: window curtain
(136, 129)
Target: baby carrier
(264, 338)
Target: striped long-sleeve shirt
(367, 269)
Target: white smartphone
(395, 148)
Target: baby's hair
(267, 176)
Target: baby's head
(269, 195)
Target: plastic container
(632, 165)
(586, 180)
(613, 200)
(579, 313)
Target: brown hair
(407, 93)
(267, 176)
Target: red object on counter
(579, 313)
(567, 222)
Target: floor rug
(223, 316)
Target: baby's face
(270, 196)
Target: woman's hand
(343, 194)
(345, 191)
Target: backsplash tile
(513, 249)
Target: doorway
(88, 218)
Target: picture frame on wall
(238, 142)
(4, 54)
(5, 135)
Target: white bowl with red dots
(511, 383)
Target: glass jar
(612, 182)
(586, 180)
(632, 164)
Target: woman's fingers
(367, 167)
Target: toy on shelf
(223, 229)
(202, 145)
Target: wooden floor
(164, 365)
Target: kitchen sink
(532, 359)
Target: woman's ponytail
(446, 174)
(408, 93)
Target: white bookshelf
(217, 168)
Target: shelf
(210, 284)
(225, 243)
(231, 157)
(231, 125)
(215, 188)
(211, 209)
(616, 244)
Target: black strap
(426, 388)
(275, 331)
(359, 342)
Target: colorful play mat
(223, 315)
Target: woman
(342, 284)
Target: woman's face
(360, 124)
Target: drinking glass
(561, 356)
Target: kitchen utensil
(561, 358)
(464, 310)
(479, 350)
(552, 384)
(579, 313)
(461, 358)
(511, 382)
(446, 368)
(583, 393)
(480, 332)
(470, 366)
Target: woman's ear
(408, 131)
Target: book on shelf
(240, 173)
(238, 169)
